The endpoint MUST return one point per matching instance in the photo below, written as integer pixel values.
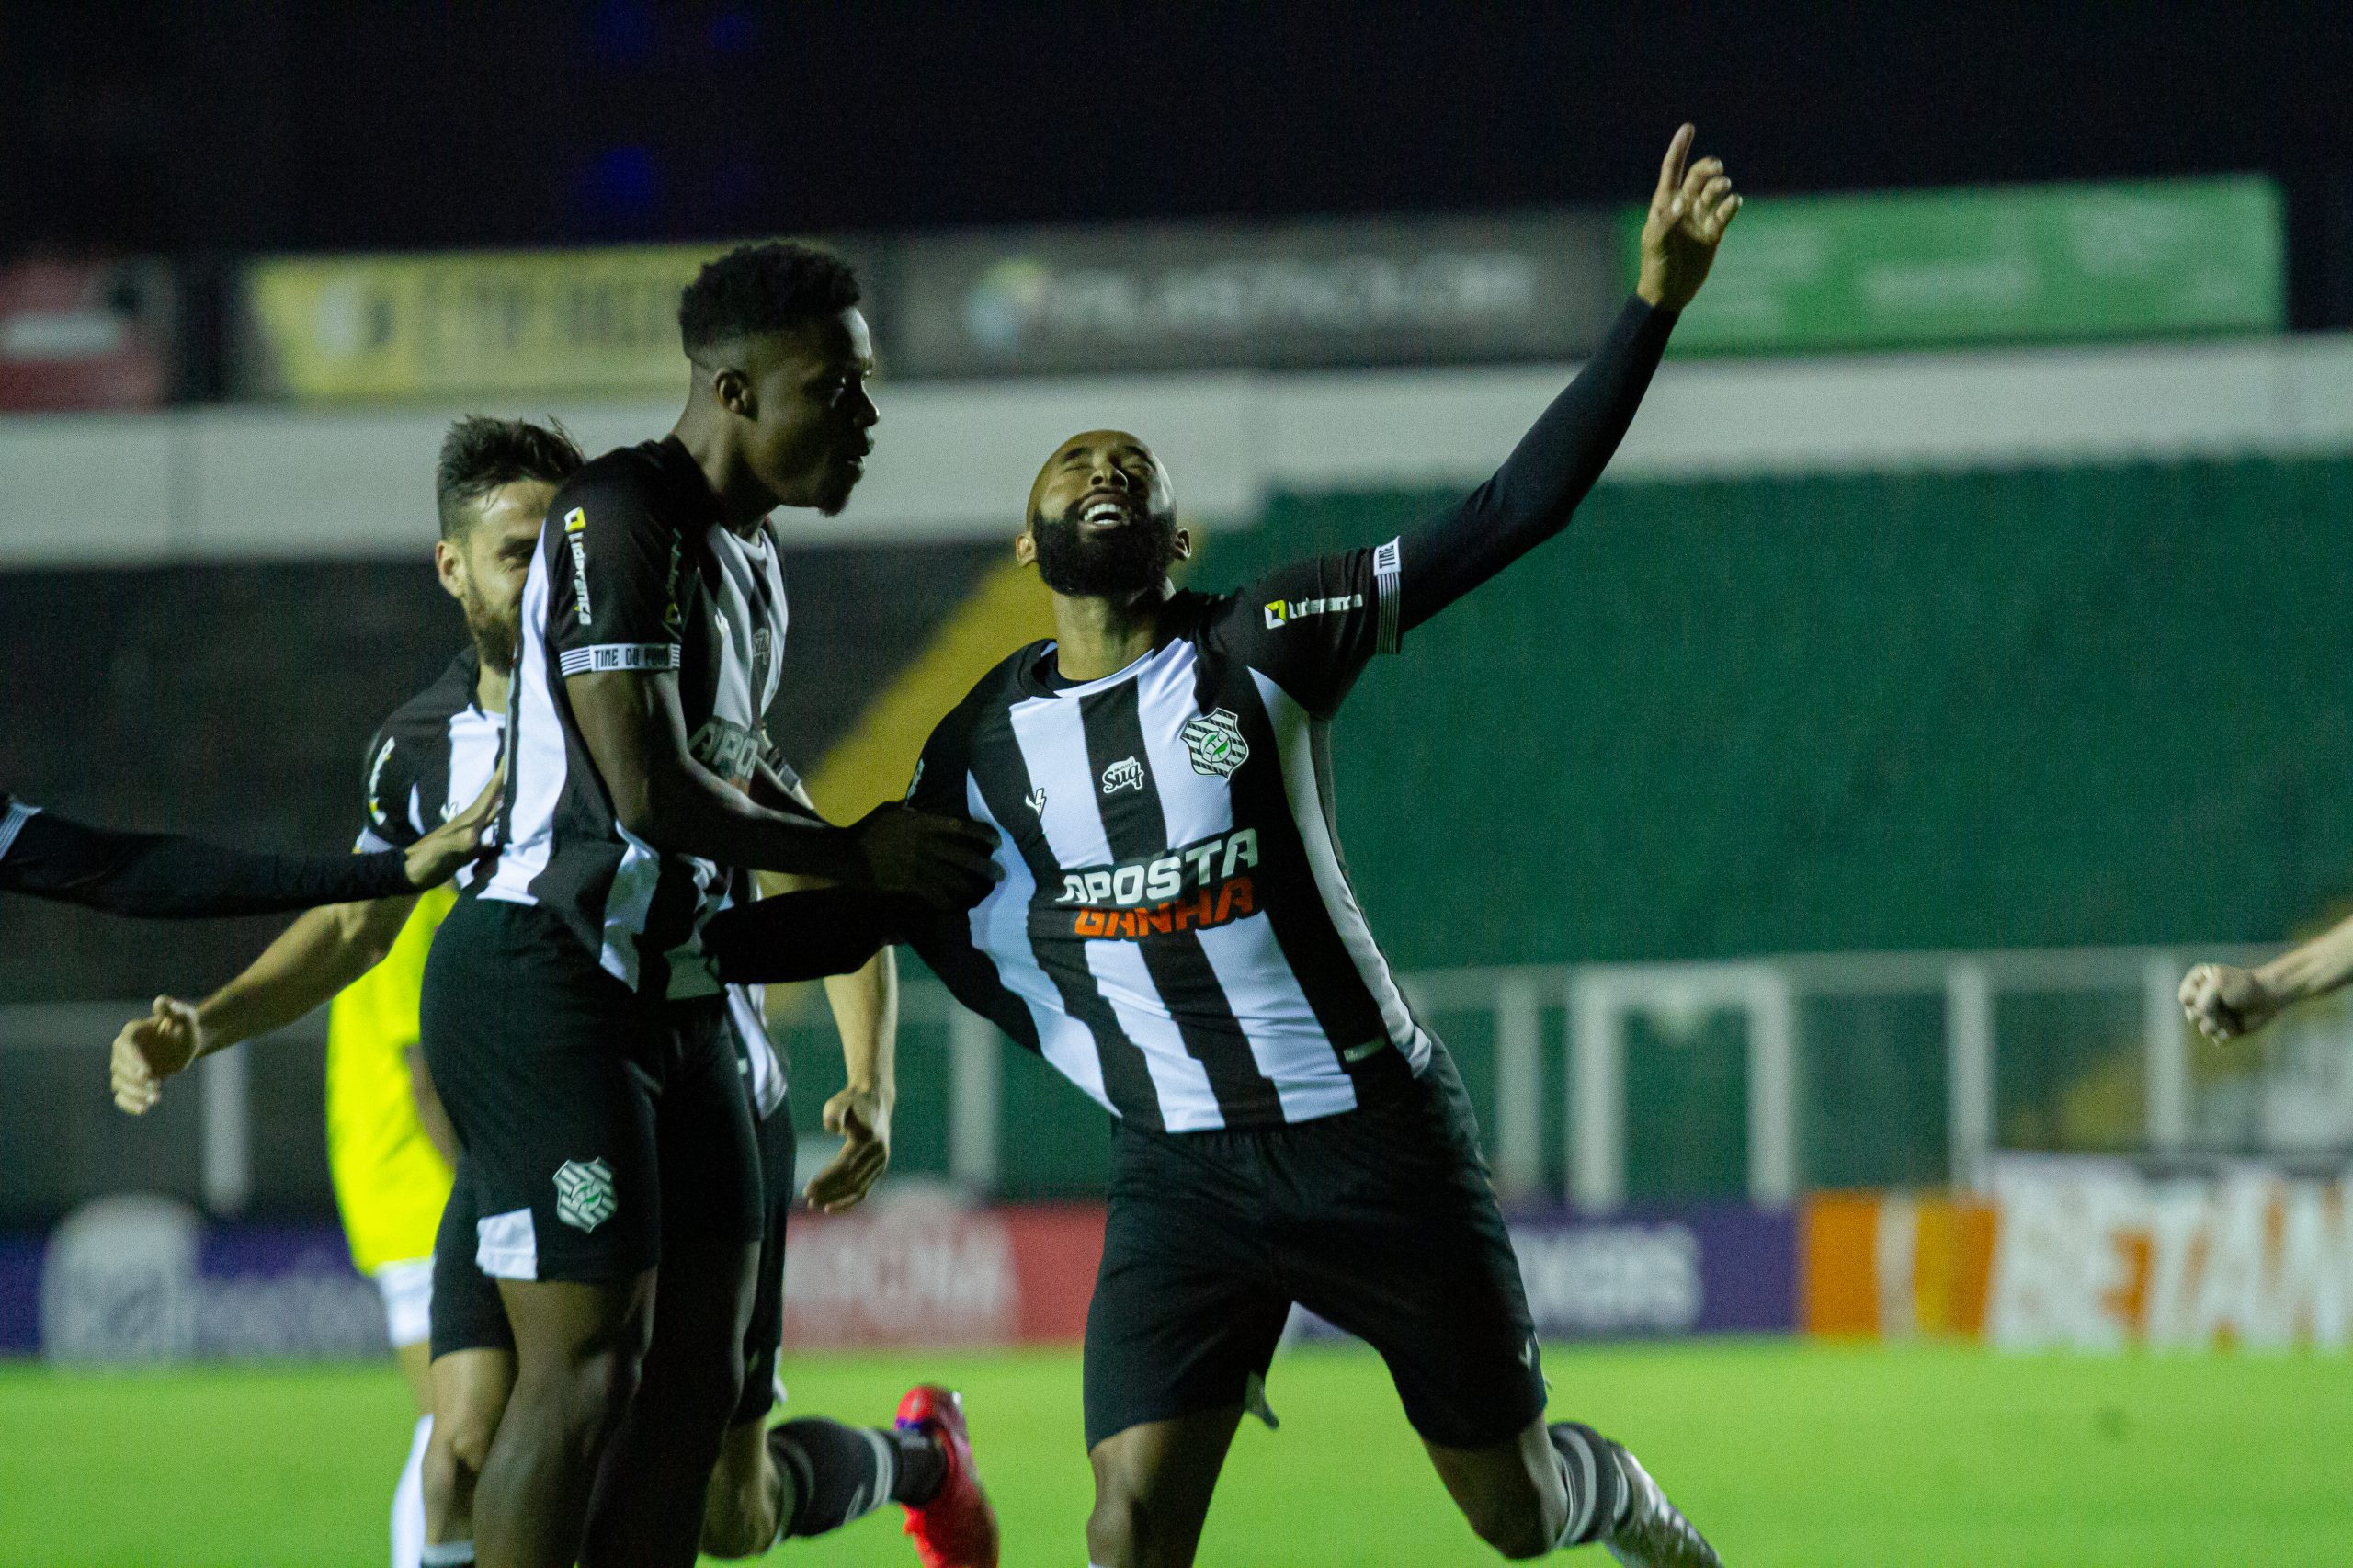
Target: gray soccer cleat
(1655, 1534)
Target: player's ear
(449, 565)
(733, 388)
(1025, 549)
(1183, 541)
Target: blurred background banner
(85, 335)
(2096, 1253)
(468, 325)
(1308, 292)
(2054, 263)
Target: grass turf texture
(1785, 1453)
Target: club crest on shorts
(1125, 774)
(584, 1193)
(1215, 740)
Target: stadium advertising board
(144, 1279)
(469, 323)
(1529, 286)
(1654, 1273)
(2025, 265)
(915, 1269)
(84, 335)
(2092, 1254)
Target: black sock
(1597, 1491)
(840, 1473)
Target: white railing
(1594, 1004)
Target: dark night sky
(330, 123)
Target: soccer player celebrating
(1177, 934)
(578, 1037)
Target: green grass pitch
(1785, 1453)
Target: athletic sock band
(1597, 1494)
(839, 1473)
(448, 1554)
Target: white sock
(408, 1501)
(450, 1554)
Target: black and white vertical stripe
(1268, 1018)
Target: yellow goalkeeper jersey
(390, 1181)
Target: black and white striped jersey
(1175, 931)
(636, 571)
(434, 755)
(430, 760)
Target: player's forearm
(688, 810)
(166, 876)
(866, 1010)
(311, 960)
(2314, 969)
(1531, 497)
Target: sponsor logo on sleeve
(1282, 612)
(1215, 741)
(1125, 774)
(584, 1193)
(575, 533)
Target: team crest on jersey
(1215, 740)
(584, 1193)
(1125, 774)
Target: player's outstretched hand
(1689, 210)
(151, 1050)
(944, 861)
(864, 1123)
(2225, 1002)
(434, 858)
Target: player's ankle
(923, 1466)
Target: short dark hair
(480, 454)
(758, 288)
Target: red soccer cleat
(957, 1528)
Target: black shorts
(469, 1315)
(1381, 1219)
(596, 1124)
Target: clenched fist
(2225, 1002)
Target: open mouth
(1104, 512)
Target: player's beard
(498, 632)
(1133, 558)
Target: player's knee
(1127, 1530)
(580, 1397)
(458, 1449)
(739, 1516)
(738, 1523)
(1511, 1519)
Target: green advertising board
(2024, 264)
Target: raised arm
(1529, 499)
(2225, 1001)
